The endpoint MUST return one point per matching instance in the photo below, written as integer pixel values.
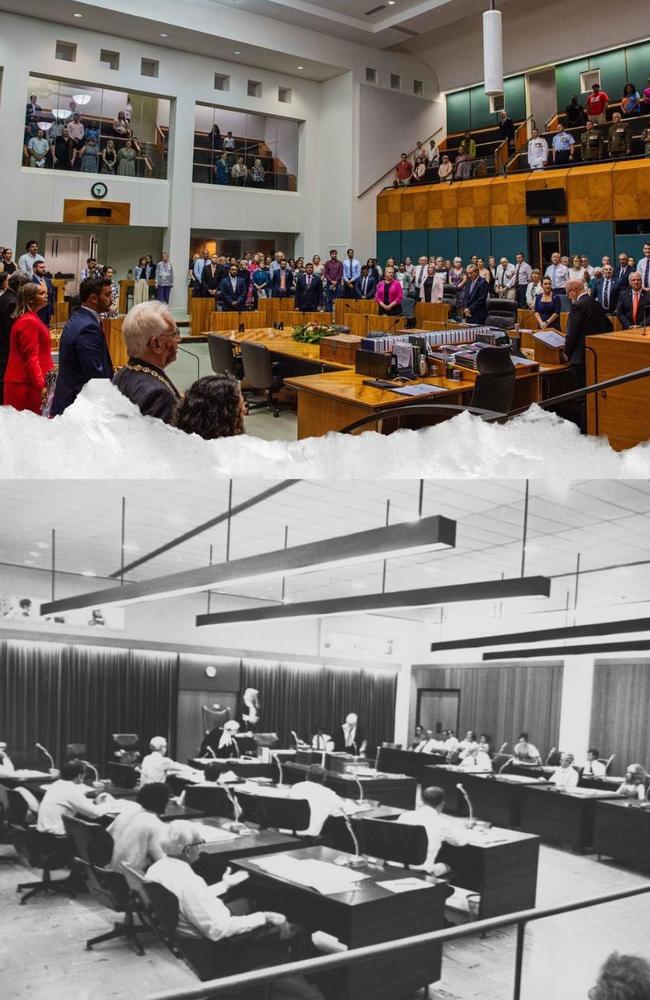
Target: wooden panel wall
(508, 201)
(589, 193)
(619, 712)
(501, 700)
(631, 183)
(474, 203)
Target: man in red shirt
(596, 105)
(403, 172)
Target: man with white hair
(565, 776)
(157, 765)
(350, 737)
(586, 317)
(152, 338)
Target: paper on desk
(522, 362)
(421, 389)
(111, 806)
(322, 876)
(405, 884)
(549, 337)
(215, 834)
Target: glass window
(75, 127)
(239, 149)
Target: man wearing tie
(232, 291)
(41, 277)
(607, 290)
(475, 296)
(367, 283)
(624, 271)
(282, 281)
(644, 267)
(309, 290)
(523, 274)
(199, 266)
(210, 278)
(351, 273)
(586, 317)
(633, 303)
(419, 276)
(558, 273)
(83, 352)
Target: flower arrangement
(313, 333)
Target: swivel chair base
(126, 930)
(59, 887)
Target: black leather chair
(213, 800)
(284, 814)
(494, 388)
(261, 373)
(19, 812)
(390, 841)
(502, 313)
(126, 748)
(222, 356)
(44, 851)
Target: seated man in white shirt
(138, 833)
(525, 752)
(321, 740)
(450, 741)
(565, 776)
(66, 797)
(593, 768)
(467, 743)
(156, 765)
(323, 802)
(238, 937)
(428, 743)
(439, 830)
(476, 760)
(6, 764)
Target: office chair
(44, 851)
(554, 757)
(90, 841)
(260, 372)
(453, 757)
(495, 384)
(251, 806)
(390, 841)
(76, 751)
(284, 814)
(19, 812)
(125, 748)
(213, 801)
(502, 313)
(222, 356)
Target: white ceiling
(606, 523)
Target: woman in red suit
(389, 294)
(30, 357)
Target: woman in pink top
(389, 294)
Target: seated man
(565, 776)
(66, 797)
(418, 736)
(634, 785)
(476, 760)
(137, 834)
(321, 740)
(323, 802)
(157, 765)
(152, 338)
(242, 939)
(451, 743)
(429, 815)
(228, 745)
(468, 743)
(593, 767)
(6, 764)
(525, 752)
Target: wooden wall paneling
(474, 203)
(201, 316)
(408, 206)
(619, 712)
(96, 213)
(540, 179)
(589, 193)
(394, 219)
(501, 700)
(508, 201)
(631, 183)
(434, 208)
(449, 202)
(115, 340)
(383, 210)
(220, 321)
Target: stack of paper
(322, 876)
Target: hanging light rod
(488, 590)
(541, 635)
(588, 647)
(405, 539)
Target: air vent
(375, 10)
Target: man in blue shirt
(351, 274)
(563, 143)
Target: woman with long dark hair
(213, 407)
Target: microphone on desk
(461, 789)
(234, 739)
(277, 760)
(236, 808)
(361, 799)
(183, 350)
(553, 750)
(210, 750)
(357, 860)
(47, 754)
(505, 765)
(503, 747)
(92, 767)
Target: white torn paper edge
(104, 436)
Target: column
(176, 240)
(575, 710)
(12, 126)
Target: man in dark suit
(309, 290)
(211, 279)
(475, 296)
(586, 317)
(7, 305)
(232, 291)
(350, 738)
(282, 282)
(632, 304)
(623, 271)
(41, 277)
(607, 290)
(83, 352)
(366, 283)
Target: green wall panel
(474, 240)
(591, 238)
(479, 109)
(415, 242)
(508, 240)
(567, 80)
(458, 119)
(443, 243)
(638, 64)
(514, 92)
(389, 244)
(632, 244)
(612, 72)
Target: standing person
(537, 151)
(232, 291)
(109, 158)
(282, 281)
(90, 155)
(563, 143)
(349, 737)
(507, 129)
(465, 158)
(558, 273)
(432, 288)
(607, 290)
(619, 137)
(504, 279)
(633, 303)
(7, 263)
(523, 273)
(631, 102)
(8, 303)
(475, 296)
(126, 160)
(30, 356)
(309, 290)
(446, 170)
(533, 289)
(152, 338)
(547, 306)
(38, 148)
(29, 258)
(108, 272)
(367, 283)
(596, 105)
(575, 113)
(351, 272)
(586, 317)
(41, 277)
(141, 277)
(644, 266)
(389, 294)
(333, 276)
(403, 172)
(83, 351)
(591, 143)
(164, 277)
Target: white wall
(224, 208)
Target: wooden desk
(361, 323)
(215, 858)
(503, 873)
(622, 832)
(174, 811)
(495, 798)
(446, 776)
(561, 817)
(621, 414)
(60, 314)
(281, 342)
(115, 340)
(390, 791)
(242, 768)
(368, 915)
(333, 400)
(408, 762)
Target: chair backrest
(163, 908)
(450, 291)
(607, 761)
(499, 320)
(76, 751)
(19, 813)
(136, 881)
(125, 748)
(495, 384)
(91, 842)
(252, 807)
(502, 307)
(107, 887)
(39, 850)
(4, 806)
(285, 814)
(213, 800)
(222, 356)
(554, 757)
(122, 775)
(258, 370)
(380, 838)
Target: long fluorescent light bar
(488, 590)
(408, 538)
(567, 632)
(590, 647)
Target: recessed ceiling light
(42, 545)
(77, 15)
(300, 67)
(391, 3)
(237, 52)
(163, 34)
